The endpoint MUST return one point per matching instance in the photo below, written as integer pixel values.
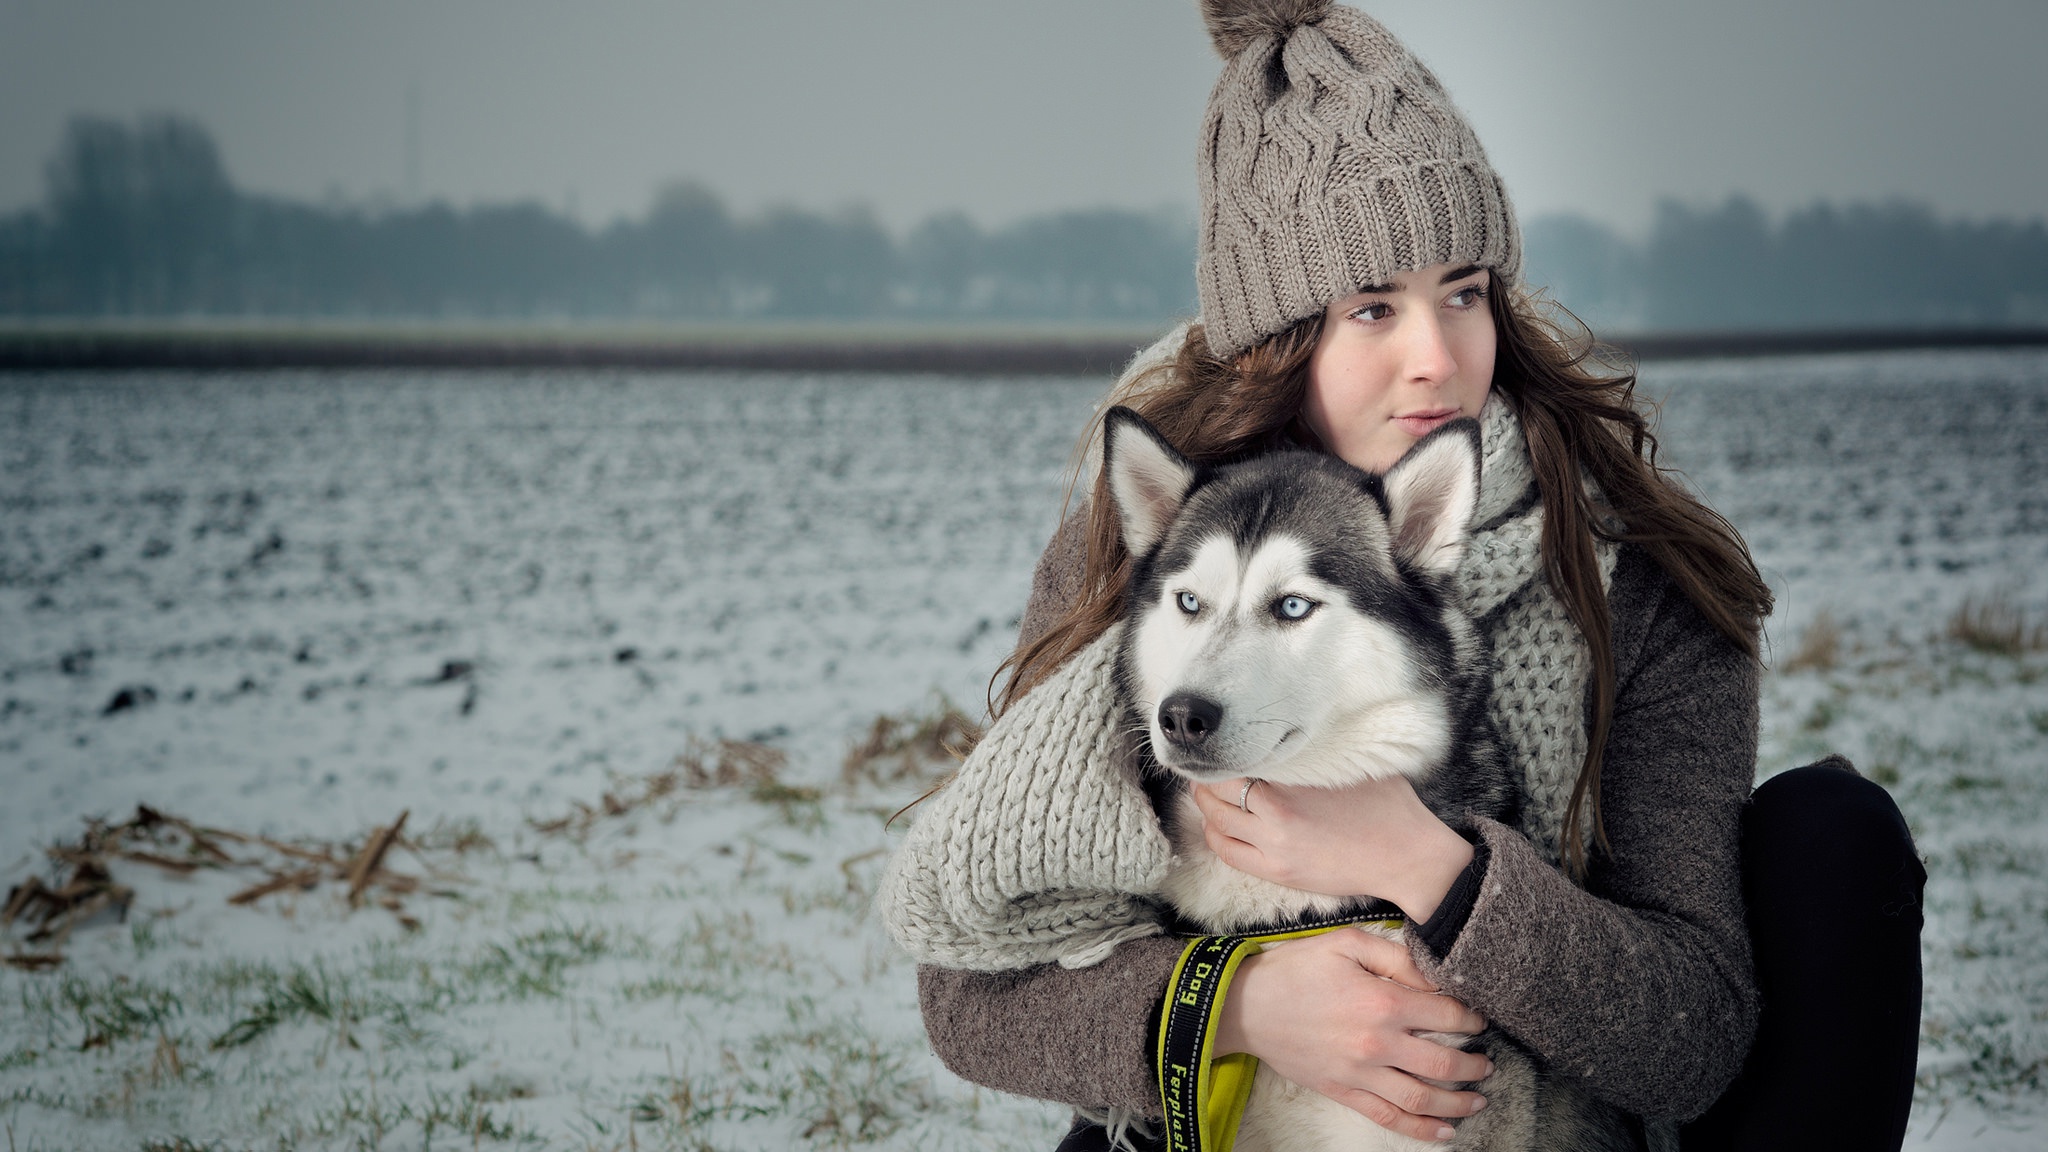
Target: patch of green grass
(849, 1088)
(1990, 1060)
(142, 936)
(315, 993)
(500, 1088)
(1956, 771)
(669, 987)
(799, 806)
(230, 976)
(118, 1009)
(371, 1118)
(305, 993)
(534, 964)
(1823, 714)
(524, 902)
(833, 1081)
(1978, 857)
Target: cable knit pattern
(1044, 847)
(1330, 158)
(1542, 667)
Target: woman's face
(1397, 360)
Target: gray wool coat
(1640, 982)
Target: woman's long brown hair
(1580, 414)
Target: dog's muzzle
(1188, 720)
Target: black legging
(1833, 885)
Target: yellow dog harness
(1205, 1094)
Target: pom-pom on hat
(1331, 159)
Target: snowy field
(524, 609)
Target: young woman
(1358, 281)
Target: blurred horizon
(146, 220)
(1836, 163)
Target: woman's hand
(1370, 839)
(1338, 1013)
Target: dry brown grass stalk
(1996, 625)
(371, 859)
(1820, 646)
(702, 765)
(731, 763)
(174, 844)
(911, 747)
(305, 880)
(55, 911)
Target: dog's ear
(1146, 476)
(1431, 494)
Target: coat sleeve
(1640, 983)
(1080, 1036)
(1056, 581)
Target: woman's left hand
(1369, 839)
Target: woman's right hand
(1339, 1013)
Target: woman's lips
(1420, 424)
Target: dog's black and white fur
(1292, 618)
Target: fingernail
(1479, 1104)
(1446, 1132)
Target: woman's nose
(1427, 354)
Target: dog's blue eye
(1293, 607)
(1189, 603)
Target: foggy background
(1746, 164)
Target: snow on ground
(698, 974)
(349, 594)
(484, 599)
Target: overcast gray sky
(1008, 108)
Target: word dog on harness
(1291, 618)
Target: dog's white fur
(1335, 704)
(1324, 701)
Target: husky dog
(1291, 618)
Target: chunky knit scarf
(1045, 848)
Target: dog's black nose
(1188, 720)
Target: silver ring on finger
(1244, 796)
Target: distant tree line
(1732, 268)
(143, 220)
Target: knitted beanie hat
(1330, 159)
